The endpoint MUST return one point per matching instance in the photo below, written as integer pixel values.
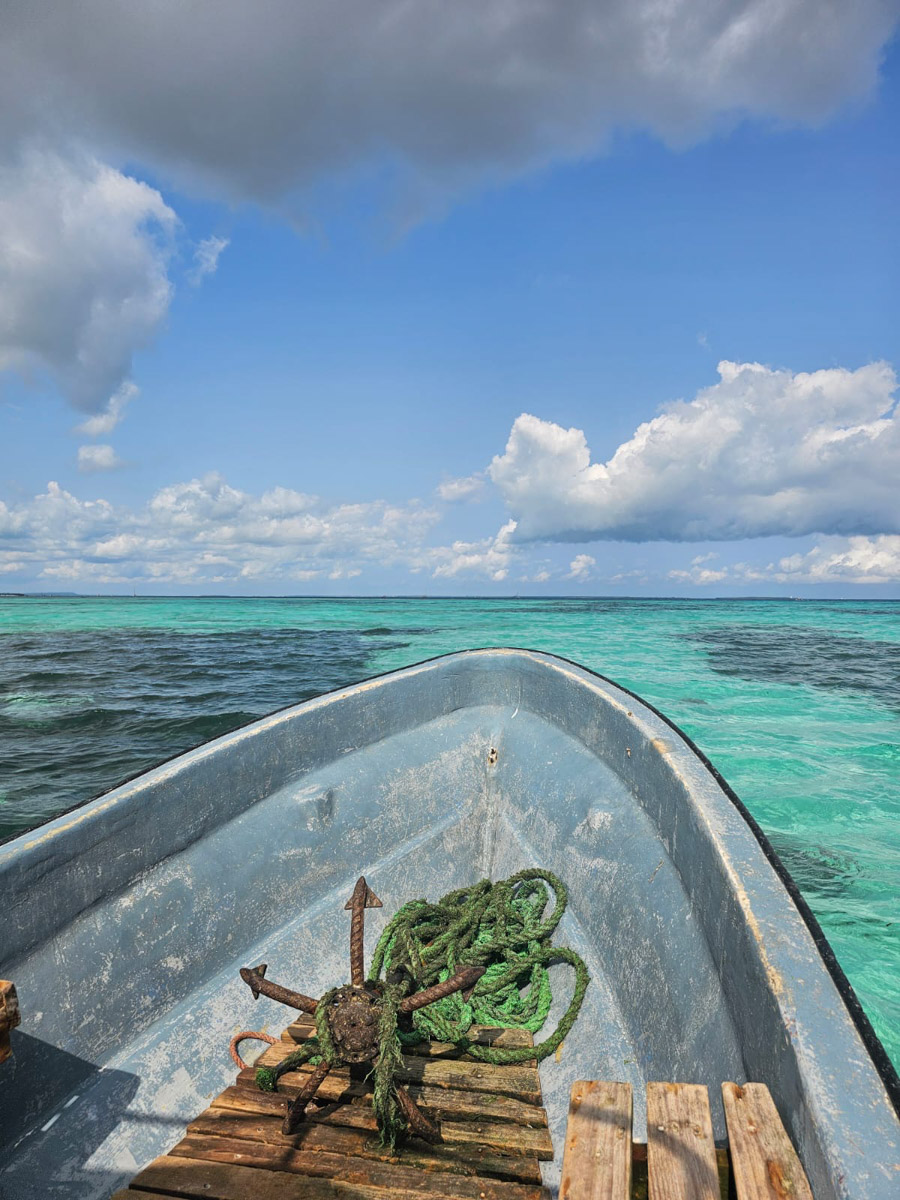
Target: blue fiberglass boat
(123, 923)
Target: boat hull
(126, 919)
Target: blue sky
(336, 404)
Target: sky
(507, 297)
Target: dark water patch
(816, 870)
(398, 631)
(81, 711)
(790, 655)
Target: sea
(797, 702)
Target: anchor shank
(297, 1110)
(456, 983)
(357, 930)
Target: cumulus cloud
(205, 531)
(762, 452)
(252, 100)
(835, 560)
(469, 487)
(489, 558)
(831, 560)
(580, 567)
(206, 259)
(83, 275)
(98, 458)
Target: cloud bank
(763, 452)
(252, 101)
(206, 531)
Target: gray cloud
(84, 251)
(253, 100)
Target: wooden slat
(522, 1082)
(444, 1102)
(765, 1164)
(681, 1155)
(314, 1137)
(349, 1168)
(458, 1105)
(639, 1187)
(597, 1156)
(483, 1035)
(502, 1136)
(191, 1177)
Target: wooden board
(523, 1082)
(190, 1177)
(493, 1126)
(681, 1154)
(764, 1162)
(639, 1184)
(483, 1035)
(506, 1137)
(444, 1102)
(597, 1156)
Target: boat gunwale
(878, 1056)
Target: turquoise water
(797, 703)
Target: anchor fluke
(362, 888)
(250, 976)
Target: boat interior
(134, 913)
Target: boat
(126, 920)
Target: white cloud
(762, 452)
(98, 458)
(252, 100)
(83, 282)
(204, 530)
(831, 560)
(837, 560)
(699, 575)
(206, 259)
(489, 559)
(580, 567)
(469, 487)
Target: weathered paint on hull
(125, 920)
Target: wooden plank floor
(493, 1125)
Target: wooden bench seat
(680, 1160)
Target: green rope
(500, 926)
(323, 1029)
(267, 1077)
(391, 1122)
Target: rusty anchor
(353, 1016)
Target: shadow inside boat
(56, 1110)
